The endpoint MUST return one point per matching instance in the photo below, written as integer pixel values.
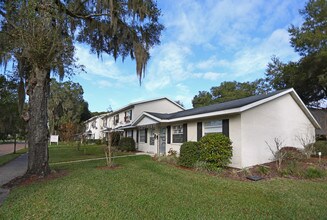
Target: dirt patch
(29, 179)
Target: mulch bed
(255, 172)
(301, 165)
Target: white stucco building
(250, 123)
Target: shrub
(313, 172)
(216, 149)
(115, 138)
(293, 153)
(126, 144)
(206, 167)
(263, 170)
(189, 154)
(98, 142)
(292, 169)
(321, 146)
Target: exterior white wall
(146, 121)
(97, 130)
(146, 147)
(235, 136)
(158, 106)
(280, 118)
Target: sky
(205, 42)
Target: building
(252, 124)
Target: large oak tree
(39, 36)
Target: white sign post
(54, 139)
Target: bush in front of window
(189, 154)
(115, 137)
(126, 144)
(216, 150)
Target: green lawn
(64, 152)
(9, 157)
(145, 189)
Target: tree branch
(74, 15)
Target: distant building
(321, 117)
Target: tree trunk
(15, 142)
(38, 135)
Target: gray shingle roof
(216, 107)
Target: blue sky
(204, 43)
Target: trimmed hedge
(189, 154)
(216, 150)
(126, 144)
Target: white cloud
(103, 83)
(213, 76)
(105, 68)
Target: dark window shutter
(184, 132)
(226, 127)
(168, 134)
(132, 134)
(199, 131)
(146, 135)
(126, 133)
(130, 113)
(137, 136)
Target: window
(177, 134)
(142, 135)
(129, 133)
(116, 119)
(105, 122)
(94, 124)
(128, 116)
(215, 126)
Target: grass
(145, 189)
(9, 157)
(65, 152)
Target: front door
(162, 141)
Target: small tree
(307, 142)
(276, 151)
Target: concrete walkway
(13, 169)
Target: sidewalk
(9, 148)
(13, 169)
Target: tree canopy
(67, 108)
(10, 120)
(39, 37)
(308, 76)
(226, 91)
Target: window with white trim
(129, 133)
(116, 119)
(128, 116)
(211, 127)
(177, 133)
(105, 122)
(142, 135)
